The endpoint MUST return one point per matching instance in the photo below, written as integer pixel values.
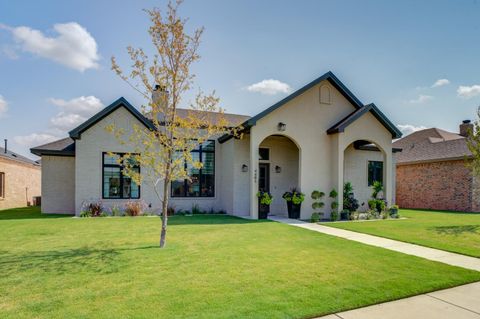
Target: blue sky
(55, 57)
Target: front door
(264, 177)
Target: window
(2, 185)
(202, 181)
(264, 154)
(375, 172)
(115, 184)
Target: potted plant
(264, 201)
(317, 205)
(294, 199)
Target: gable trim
(352, 117)
(77, 132)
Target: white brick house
(316, 138)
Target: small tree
(163, 80)
(349, 201)
(334, 205)
(317, 204)
(473, 143)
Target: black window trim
(368, 172)
(200, 151)
(121, 178)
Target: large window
(375, 172)
(202, 181)
(2, 185)
(115, 184)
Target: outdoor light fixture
(244, 168)
(278, 169)
(281, 126)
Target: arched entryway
(278, 169)
(364, 163)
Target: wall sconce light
(244, 168)
(281, 126)
(278, 169)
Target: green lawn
(452, 231)
(213, 267)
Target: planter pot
(293, 210)
(393, 212)
(345, 215)
(263, 210)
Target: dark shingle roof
(17, 157)
(63, 147)
(352, 117)
(432, 144)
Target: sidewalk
(406, 248)
(460, 303)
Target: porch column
(254, 144)
(388, 173)
(337, 168)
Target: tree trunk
(163, 232)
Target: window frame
(368, 173)
(2, 185)
(200, 152)
(268, 152)
(122, 176)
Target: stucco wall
(58, 185)
(356, 172)
(22, 183)
(283, 153)
(307, 121)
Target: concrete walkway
(406, 248)
(460, 303)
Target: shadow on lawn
(28, 213)
(456, 230)
(84, 259)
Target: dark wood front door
(264, 177)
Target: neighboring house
(19, 179)
(316, 138)
(432, 171)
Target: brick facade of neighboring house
(20, 180)
(432, 171)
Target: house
(432, 171)
(318, 137)
(19, 179)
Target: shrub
(116, 211)
(170, 210)
(377, 188)
(315, 217)
(334, 205)
(349, 200)
(317, 202)
(134, 208)
(393, 211)
(92, 209)
(196, 209)
(265, 197)
(334, 215)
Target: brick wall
(22, 182)
(439, 185)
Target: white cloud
(440, 82)
(3, 106)
(421, 99)
(74, 112)
(269, 87)
(34, 139)
(468, 91)
(73, 46)
(407, 129)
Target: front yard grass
(452, 231)
(213, 267)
